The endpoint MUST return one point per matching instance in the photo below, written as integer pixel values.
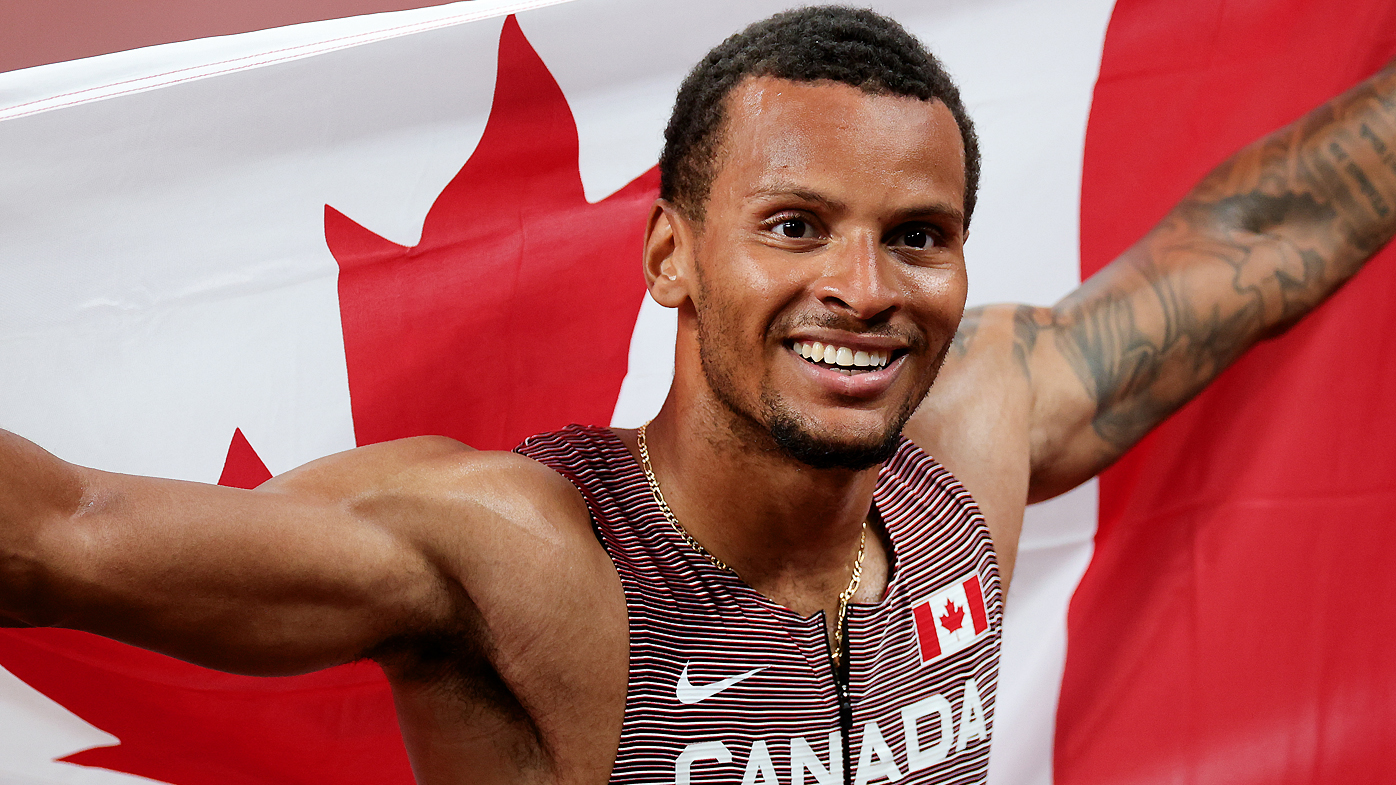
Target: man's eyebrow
(782, 190)
(934, 210)
(940, 210)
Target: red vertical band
(1211, 641)
(926, 631)
(975, 595)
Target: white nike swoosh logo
(693, 693)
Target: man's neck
(789, 530)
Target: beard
(798, 440)
(795, 435)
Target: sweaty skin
(835, 216)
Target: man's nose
(858, 279)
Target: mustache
(915, 339)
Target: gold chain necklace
(844, 596)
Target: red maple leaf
(953, 618)
(511, 316)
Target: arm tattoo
(1132, 373)
(1025, 330)
(964, 336)
(1261, 241)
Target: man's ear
(668, 254)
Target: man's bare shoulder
(977, 418)
(1006, 392)
(530, 663)
(983, 385)
(459, 505)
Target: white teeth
(842, 356)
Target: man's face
(830, 264)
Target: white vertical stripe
(1057, 542)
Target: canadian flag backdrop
(223, 257)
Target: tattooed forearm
(1343, 159)
(1261, 241)
(1282, 278)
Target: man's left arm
(1261, 241)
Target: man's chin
(822, 451)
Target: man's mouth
(843, 359)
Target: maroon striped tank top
(729, 687)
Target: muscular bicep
(1137, 341)
(298, 575)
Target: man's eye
(793, 228)
(916, 238)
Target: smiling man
(773, 581)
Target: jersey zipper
(840, 668)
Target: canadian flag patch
(950, 619)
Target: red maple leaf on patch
(511, 316)
(953, 618)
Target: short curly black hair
(854, 46)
